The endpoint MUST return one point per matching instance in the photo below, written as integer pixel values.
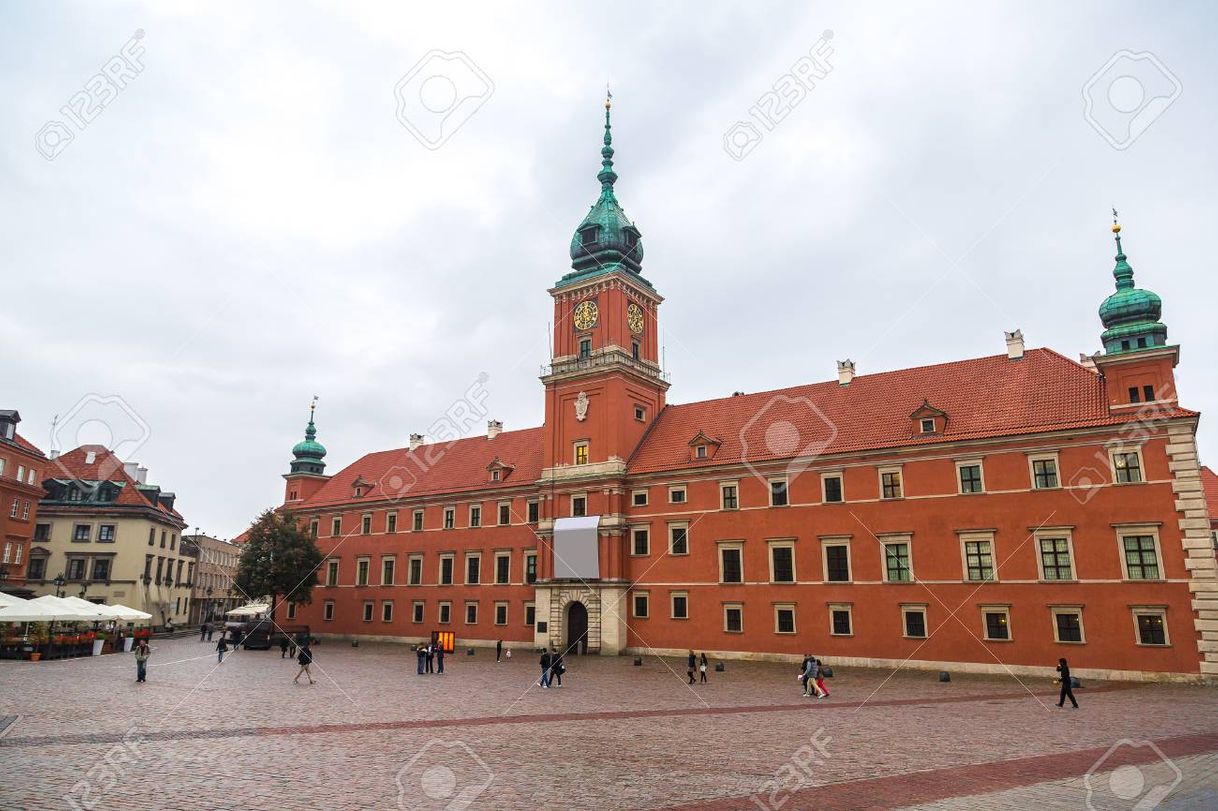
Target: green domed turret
(1130, 315)
(606, 240)
(309, 453)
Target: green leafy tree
(280, 560)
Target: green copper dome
(606, 240)
(309, 453)
(1130, 315)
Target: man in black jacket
(545, 669)
(1067, 692)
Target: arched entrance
(577, 627)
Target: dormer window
(499, 470)
(703, 447)
(632, 238)
(495, 475)
(587, 237)
(700, 452)
(928, 420)
(928, 426)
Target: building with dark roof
(990, 514)
(21, 465)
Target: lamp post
(59, 581)
(210, 612)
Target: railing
(600, 359)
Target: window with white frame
(505, 513)
(388, 565)
(641, 605)
(365, 524)
(332, 572)
(1067, 623)
(361, 571)
(831, 489)
(336, 526)
(471, 613)
(534, 511)
(640, 541)
(475, 515)
(503, 567)
(835, 552)
(579, 505)
(445, 612)
(913, 620)
(416, 611)
(968, 474)
(1150, 626)
(638, 498)
(501, 613)
(386, 610)
(1044, 472)
(890, 483)
(327, 610)
(676, 495)
(417, 519)
(733, 618)
(1127, 466)
(729, 498)
(731, 562)
(447, 563)
(391, 522)
(1140, 554)
(782, 561)
(530, 615)
(784, 618)
(473, 568)
(414, 570)
(581, 452)
(1054, 555)
(678, 602)
(996, 622)
(841, 619)
(898, 567)
(530, 568)
(450, 517)
(778, 493)
(978, 552)
(678, 539)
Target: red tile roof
(1209, 481)
(437, 468)
(105, 466)
(26, 445)
(983, 397)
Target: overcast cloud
(247, 224)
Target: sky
(215, 212)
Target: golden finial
(608, 97)
(1116, 226)
(312, 407)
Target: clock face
(634, 318)
(586, 314)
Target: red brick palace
(987, 514)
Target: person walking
(283, 647)
(820, 679)
(221, 648)
(440, 660)
(811, 671)
(142, 652)
(545, 669)
(498, 650)
(305, 658)
(422, 656)
(557, 668)
(702, 669)
(803, 673)
(203, 632)
(691, 662)
(210, 630)
(1067, 684)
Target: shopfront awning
(577, 548)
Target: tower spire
(606, 175)
(1122, 272)
(1130, 315)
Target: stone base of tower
(578, 617)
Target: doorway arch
(577, 627)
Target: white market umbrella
(64, 610)
(31, 611)
(248, 610)
(122, 612)
(7, 599)
(102, 611)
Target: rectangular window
(1127, 466)
(501, 613)
(640, 413)
(505, 513)
(76, 568)
(314, 528)
(778, 492)
(1152, 626)
(1055, 559)
(676, 495)
(1067, 625)
(640, 541)
(585, 348)
(581, 453)
(365, 524)
(291, 611)
(151, 536)
(1141, 557)
(387, 611)
(678, 540)
(534, 512)
(361, 571)
(417, 526)
(914, 620)
(414, 576)
(700, 452)
(445, 613)
(840, 620)
(327, 610)
(416, 611)
(784, 619)
(80, 532)
(638, 498)
(503, 563)
(530, 568)
(728, 498)
(978, 561)
(387, 571)
(530, 615)
(837, 562)
(579, 506)
(101, 568)
(731, 567)
(42, 532)
(782, 563)
(733, 618)
(391, 523)
(473, 569)
(471, 613)
(369, 607)
(832, 486)
(970, 477)
(679, 602)
(446, 570)
(641, 604)
(38, 569)
(105, 533)
(927, 425)
(336, 526)
(997, 622)
(450, 517)
(896, 563)
(475, 516)
(1044, 473)
(890, 484)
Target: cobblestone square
(373, 734)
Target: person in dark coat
(142, 652)
(431, 659)
(702, 669)
(305, 658)
(422, 654)
(545, 669)
(283, 647)
(203, 632)
(691, 662)
(498, 650)
(211, 629)
(440, 659)
(1067, 687)
(557, 668)
(221, 648)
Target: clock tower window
(581, 453)
(585, 348)
(634, 349)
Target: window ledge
(1069, 642)
(1008, 640)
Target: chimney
(132, 469)
(415, 441)
(1087, 361)
(493, 429)
(54, 454)
(142, 478)
(1014, 344)
(845, 372)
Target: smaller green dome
(309, 453)
(309, 448)
(1130, 315)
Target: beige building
(213, 591)
(105, 534)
